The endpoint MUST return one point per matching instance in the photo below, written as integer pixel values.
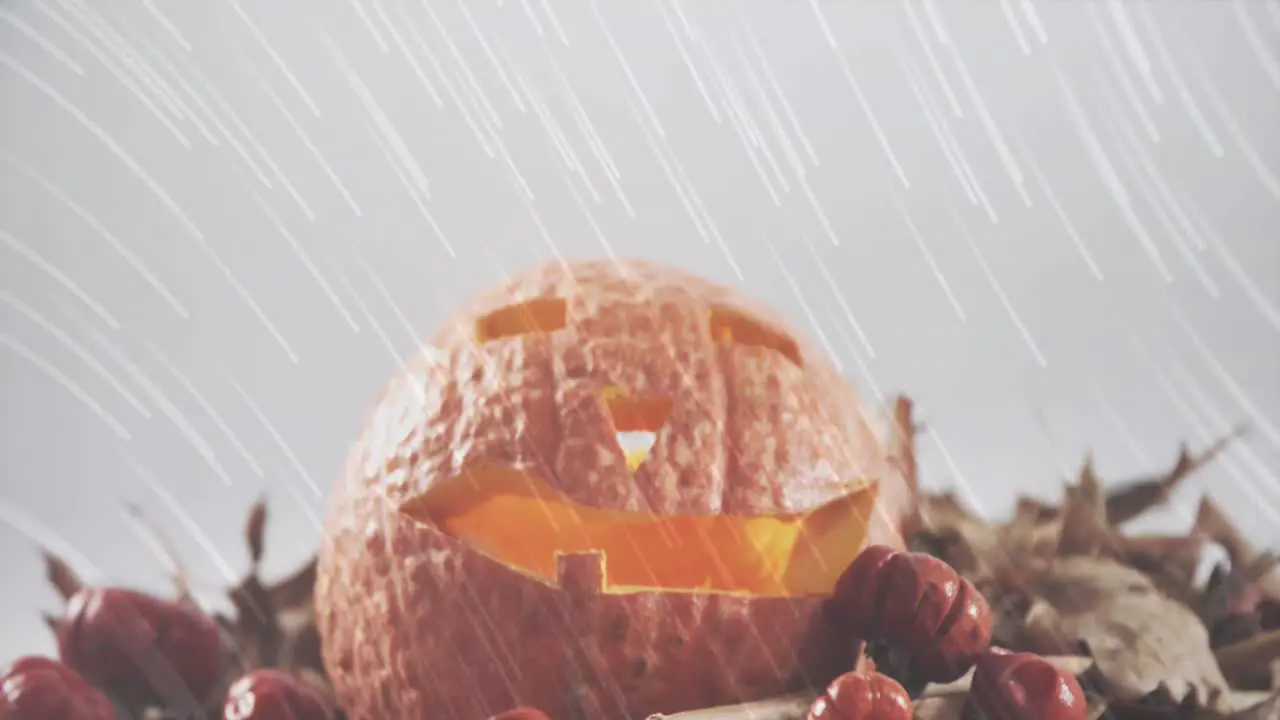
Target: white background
(1056, 225)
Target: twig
(790, 707)
(1256, 653)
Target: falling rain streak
(204, 199)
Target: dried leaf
(1042, 630)
(1028, 524)
(1084, 528)
(255, 529)
(963, 540)
(905, 446)
(274, 625)
(1171, 562)
(1213, 523)
(1267, 709)
(296, 590)
(1034, 512)
(1131, 499)
(1248, 663)
(60, 575)
(1139, 638)
(255, 627)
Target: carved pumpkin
(497, 539)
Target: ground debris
(1064, 577)
(272, 625)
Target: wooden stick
(789, 707)
(1256, 653)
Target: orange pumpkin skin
(417, 626)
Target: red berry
(142, 646)
(918, 605)
(274, 695)
(1023, 686)
(856, 600)
(37, 688)
(860, 696)
(945, 621)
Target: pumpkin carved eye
(637, 420)
(732, 326)
(539, 315)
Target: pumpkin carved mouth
(523, 522)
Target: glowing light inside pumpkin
(636, 447)
(527, 524)
(637, 420)
(733, 326)
(539, 315)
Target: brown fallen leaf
(1131, 499)
(1265, 709)
(274, 623)
(948, 530)
(1233, 605)
(1213, 524)
(903, 445)
(1085, 529)
(1139, 638)
(1248, 662)
(1170, 561)
(64, 580)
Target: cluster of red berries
(911, 614)
(917, 619)
(922, 622)
(145, 651)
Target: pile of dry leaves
(1122, 612)
(1064, 580)
(271, 626)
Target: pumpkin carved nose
(636, 446)
(637, 420)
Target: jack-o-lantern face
(672, 434)
(528, 525)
